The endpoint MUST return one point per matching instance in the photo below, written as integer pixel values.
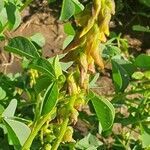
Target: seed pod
(68, 135)
(72, 86)
(111, 5)
(79, 102)
(97, 7)
(104, 24)
(73, 116)
(93, 48)
(102, 37)
(91, 67)
(97, 58)
(83, 66)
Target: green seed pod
(68, 135)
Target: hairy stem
(64, 125)
(62, 132)
(35, 130)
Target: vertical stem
(64, 125)
(35, 130)
(62, 132)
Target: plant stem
(35, 130)
(64, 125)
(25, 5)
(60, 137)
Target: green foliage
(50, 98)
(142, 61)
(2, 94)
(23, 47)
(13, 15)
(69, 8)
(89, 142)
(18, 132)
(104, 111)
(40, 104)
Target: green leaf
(2, 94)
(104, 111)
(147, 74)
(1, 109)
(145, 136)
(143, 61)
(110, 51)
(43, 66)
(89, 142)
(17, 131)
(68, 29)
(11, 108)
(141, 28)
(3, 18)
(42, 83)
(67, 41)
(128, 66)
(22, 46)
(78, 6)
(92, 83)
(120, 76)
(1, 5)
(39, 39)
(50, 98)
(57, 66)
(13, 14)
(67, 10)
(65, 66)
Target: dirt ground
(44, 21)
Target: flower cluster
(93, 27)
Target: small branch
(64, 125)
(36, 128)
(62, 132)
